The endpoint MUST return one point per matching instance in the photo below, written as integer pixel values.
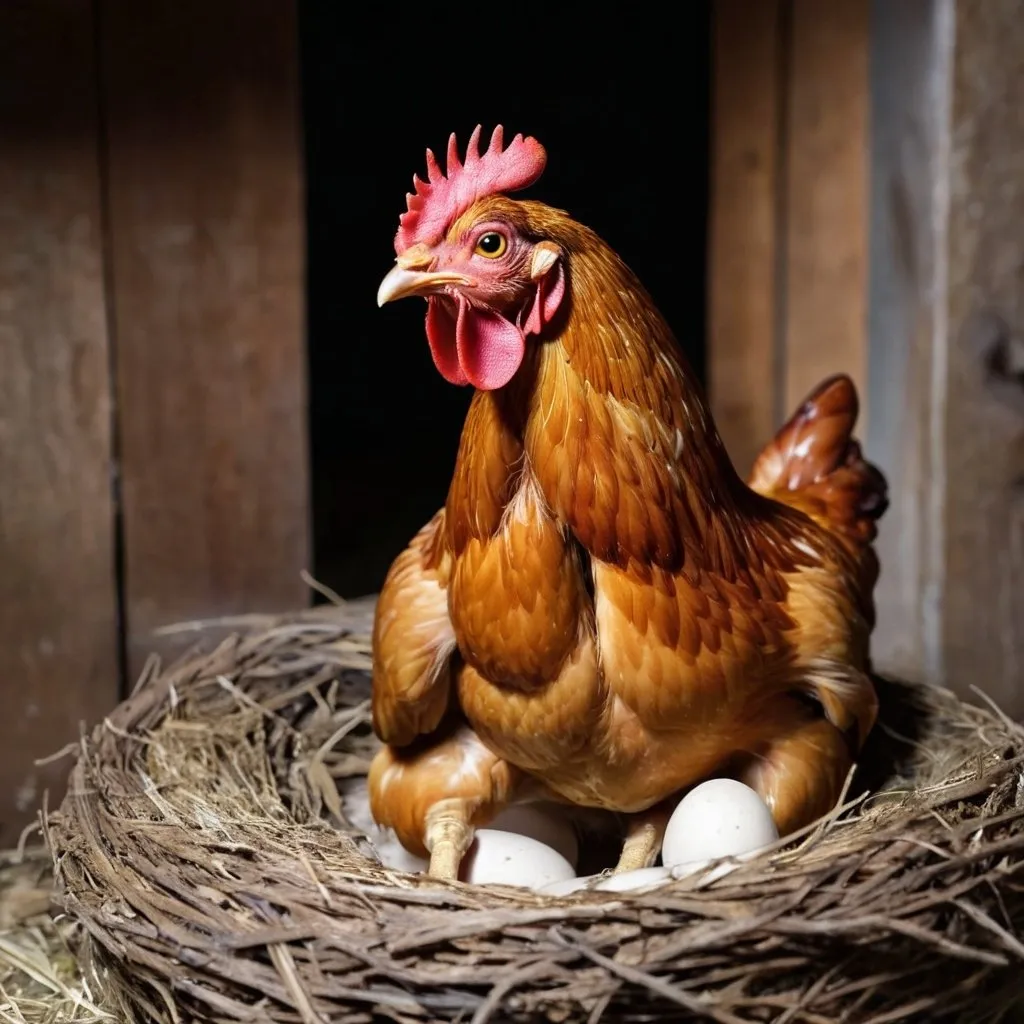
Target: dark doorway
(621, 103)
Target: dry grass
(204, 852)
(41, 982)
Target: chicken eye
(492, 245)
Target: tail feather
(814, 463)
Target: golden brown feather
(413, 640)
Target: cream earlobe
(545, 255)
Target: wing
(690, 580)
(683, 651)
(413, 640)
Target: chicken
(604, 613)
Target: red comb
(435, 203)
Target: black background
(620, 101)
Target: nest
(205, 851)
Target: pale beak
(401, 283)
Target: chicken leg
(436, 797)
(448, 837)
(644, 836)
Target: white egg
(505, 858)
(566, 886)
(641, 878)
(719, 818)
(541, 823)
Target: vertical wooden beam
(947, 293)
(788, 248)
(983, 477)
(742, 263)
(58, 605)
(207, 219)
(826, 204)
(911, 90)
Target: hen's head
(490, 279)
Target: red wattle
(474, 345)
(441, 336)
(490, 347)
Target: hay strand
(41, 982)
(205, 850)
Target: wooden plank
(982, 480)
(826, 195)
(742, 256)
(911, 69)
(947, 355)
(58, 607)
(206, 212)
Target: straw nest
(205, 851)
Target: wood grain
(983, 476)
(743, 229)
(58, 608)
(826, 195)
(947, 353)
(911, 75)
(207, 222)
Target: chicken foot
(644, 836)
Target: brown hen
(604, 613)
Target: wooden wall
(788, 223)
(206, 241)
(868, 216)
(58, 596)
(947, 339)
(153, 453)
